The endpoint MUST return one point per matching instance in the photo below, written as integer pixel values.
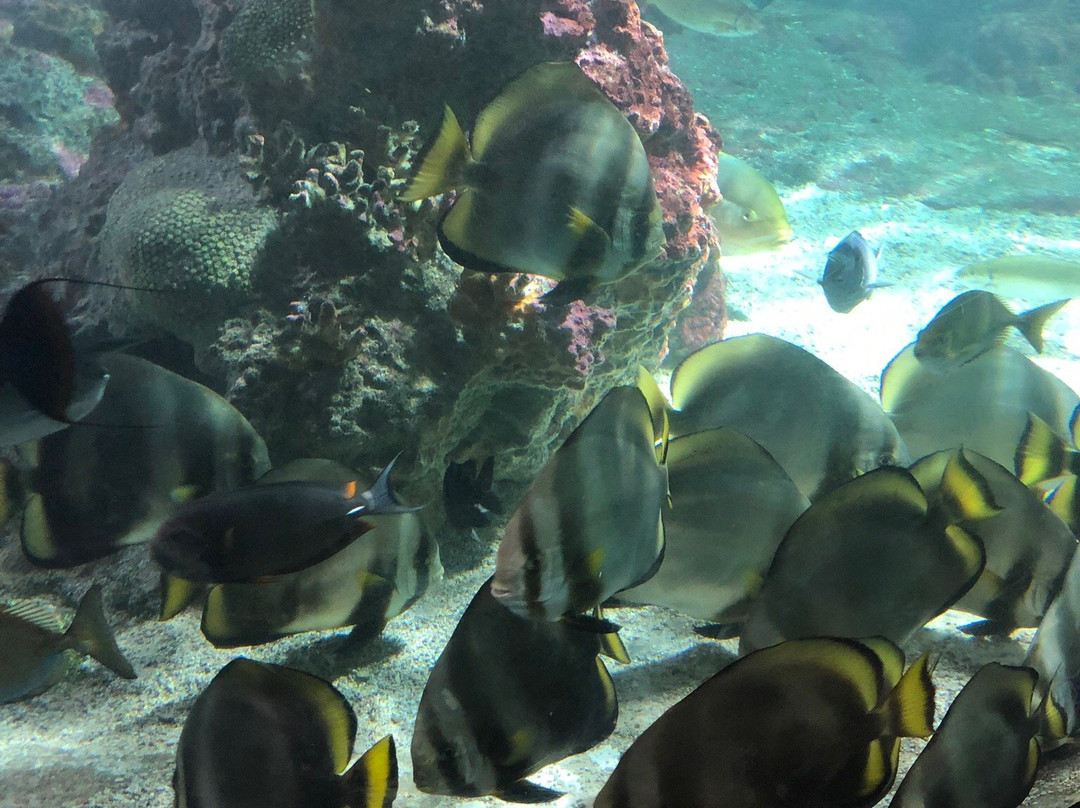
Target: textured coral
(186, 222)
(354, 336)
(268, 40)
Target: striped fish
(556, 183)
(589, 525)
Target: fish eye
(750, 216)
(886, 459)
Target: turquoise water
(944, 151)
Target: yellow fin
(965, 492)
(1041, 454)
(658, 409)
(1062, 502)
(37, 538)
(444, 165)
(184, 493)
(611, 644)
(882, 757)
(909, 710)
(372, 781)
(892, 659)
(969, 548)
(595, 562)
(521, 744)
(176, 595)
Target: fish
(982, 404)
(822, 428)
(35, 647)
(556, 183)
(276, 737)
(507, 696)
(1055, 654)
(45, 384)
(731, 505)
(731, 18)
(873, 558)
(984, 754)
(94, 489)
(468, 498)
(1026, 276)
(1043, 455)
(750, 217)
(812, 722)
(850, 273)
(973, 322)
(252, 533)
(1028, 547)
(589, 525)
(364, 585)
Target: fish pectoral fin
(372, 782)
(909, 709)
(591, 244)
(524, 791)
(567, 291)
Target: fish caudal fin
(372, 782)
(89, 634)
(381, 498)
(1031, 323)
(1041, 454)
(909, 709)
(176, 595)
(444, 165)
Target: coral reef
(349, 334)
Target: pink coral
(586, 325)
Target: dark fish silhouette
(467, 495)
(850, 273)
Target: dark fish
(508, 696)
(267, 736)
(589, 525)
(982, 404)
(822, 428)
(850, 273)
(984, 754)
(34, 647)
(873, 558)
(467, 496)
(95, 488)
(731, 505)
(254, 532)
(974, 322)
(805, 724)
(1027, 547)
(556, 183)
(365, 584)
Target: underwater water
(944, 133)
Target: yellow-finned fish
(731, 505)
(822, 428)
(1028, 547)
(365, 584)
(873, 558)
(716, 17)
(984, 754)
(751, 216)
(1042, 454)
(508, 696)
(1027, 276)
(973, 322)
(34, 646)
(813, 722)
(157, 438)
(556, 183)
(982, 404)
(589, 525)
(271, 736)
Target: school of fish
(764, 494)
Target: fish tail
(909, 709)
(372, 781)
(1031, 323)
(89, 634)
(382, 498)
(444, 165)
(1042, 454)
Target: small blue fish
(850, 273)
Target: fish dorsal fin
(444, 165)
(1041, 454)
(176, 595)
(40, 614)
(965, 493)
(928, 470)
(971, 551)
(896, 376)
(909, 709)
(847, 659)
(891, 657)
(372, 781)
(658, 409)
(539, 86)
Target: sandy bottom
(854, 141)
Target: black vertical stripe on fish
(532, 565)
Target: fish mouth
(499, 590)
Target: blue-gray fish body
(850, 273)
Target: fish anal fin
(909, 709)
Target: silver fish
(850, 273)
